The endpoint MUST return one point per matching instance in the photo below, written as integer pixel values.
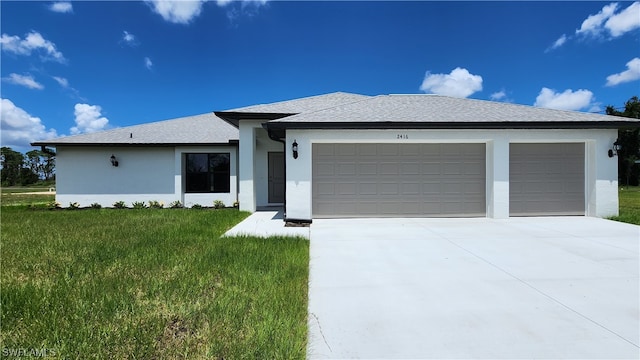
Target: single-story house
(348, 155)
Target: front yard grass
(20, 196)
(629, 197)
(150, 284)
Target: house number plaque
(402, 136)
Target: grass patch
(16, 196)
(149, 284)
(629, 197)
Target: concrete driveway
(557, 287)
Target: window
(208, 173)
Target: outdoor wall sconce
(114, 162)
(294, 148)
(615, 149)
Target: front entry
(276, 177)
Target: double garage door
(447, 180)
(387, 180)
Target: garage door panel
(410, 150)
(324, 168)
(431, 168)
(345, 150)
(325, 189)
(347, 168)
(410, 168)
(433, 188)
(366, 149)
(410, 188)
(346, 189)
(546, 179)
(399, 180)
(367, 188)
(388, 168)
(367, 168)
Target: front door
(276, 177)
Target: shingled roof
(436, 111)
(204, 129)
(302, 105)
(346, 111)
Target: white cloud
(129, 38)
(592, 25)
(567, 100)
(33, 41)
(458, 83)
(23, 80)
(148, 63)
(498, 95)
(246, 8)
(608, 22)
(177, 11)
(631, 74)
(19, 128)
(62, 81)
(556, 44)
(624, 21)
(61, 7)
(88, 119)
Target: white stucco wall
(601, 182)
(85, 175)
(253, 164)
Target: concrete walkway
(266, 223)
(545, 288)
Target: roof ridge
(367, 98)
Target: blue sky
(83, 66)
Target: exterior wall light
(114, 162)
(294, 148)
(615, 149)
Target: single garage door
(546, 179)
(396, 180)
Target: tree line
(629, 139)
(26, 169)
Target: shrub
(119, 205)
(139, 205)
(74, 206)
(53, 205)
(196, 206)
(218, 204)
(96, 206)
(156, 204)
(175, 204)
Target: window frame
(209, 177)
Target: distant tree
(49, 165)
(12, 163)
(41, 163)
(18, 169)
(628, 170)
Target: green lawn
(150, 284)
(16, 196)
(629, 205)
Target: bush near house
(150, 284)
